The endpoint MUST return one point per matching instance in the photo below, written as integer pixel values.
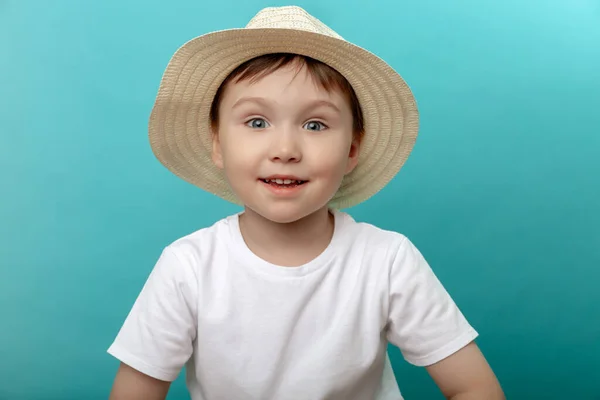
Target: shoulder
(201, 246)
(370, 237)
(204, 237)
(383, 250)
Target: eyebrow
(265, 103)
(243, 100)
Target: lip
(290, 177)
(283, 192)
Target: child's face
(284, 126)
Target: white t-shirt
(248, 329)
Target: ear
(353, 155)
(217, 154)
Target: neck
(290, 244)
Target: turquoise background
(501, 193)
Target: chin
(286, 214)
(283, 216)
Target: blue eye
(314, 126)
(257, 123)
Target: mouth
(283, 182)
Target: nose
(285, 147)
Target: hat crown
(180, 131)
(290, 17)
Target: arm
(131, 384)
(156, 339)
(466, 375)
(431, 331)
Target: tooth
(287, 181)
(279, 181)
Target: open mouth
(283, 183)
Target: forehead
(291, 83)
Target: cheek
(331, 161)
(239, 158)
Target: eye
(257, 123)
(315, 126)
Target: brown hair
(327, 77)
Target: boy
(291, 298)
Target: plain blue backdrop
(501, 194)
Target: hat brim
(179, 126)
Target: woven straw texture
(179, 127)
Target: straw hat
(179, 127)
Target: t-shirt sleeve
(157, 335)
(424, 322)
